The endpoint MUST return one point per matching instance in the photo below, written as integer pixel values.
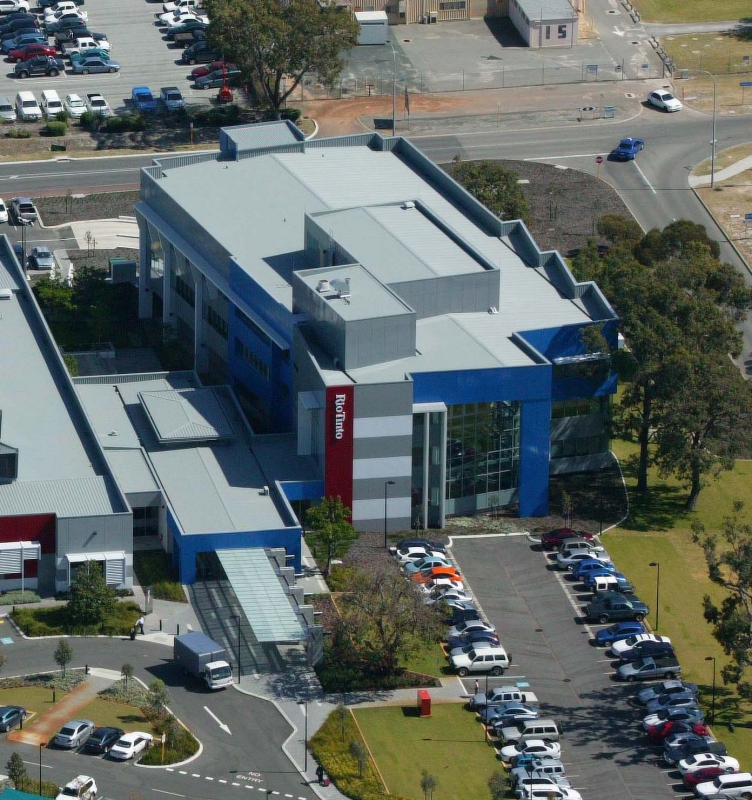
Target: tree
(159, 697)
(331, 529)
(730, 566)
(672, 240)
(619, 229)
(706, 423)
(54, 295)
(494, 186)
(127, 672)
(497, 785)
(360, 754)
(276, 45)
(91, 601)
(63, 655)
(384, 619)
(428, 784)
(16, 770)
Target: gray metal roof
(212, 487)
(189, 415)
(132, 471)
(262, 134)
(66, 497)
(259, 590)
(547, 10)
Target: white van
(51, 103)
(27, 107)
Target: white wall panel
(373, 427)
(397, 467)
(397, 508)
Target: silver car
(41, 258)
(87, 64)
(74, 733)
(7, 112)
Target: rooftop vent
(493, 310)
(407, 205)
(324, 286)
(342, 287)
(5, 294)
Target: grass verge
(429, 660)
(449, 744)
(54, 622)
(716, 52)
(691, 10)
(153, 569)
(35, 699)
(658, 529)
(106, 713)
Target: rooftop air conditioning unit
(324, 286)
(5, 294)
(407, 205)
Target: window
(253, 327)
(548, 31)
(579, 408)
(185, 290)
(562, 31)
(217, 322)
(452, 5)
(580, 446)
(251, 358)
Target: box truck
(203, 658)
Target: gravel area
(75, 207)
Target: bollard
(178, 629)
(86, 669)
(160, 625)
(53, 696)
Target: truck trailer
(203, 658)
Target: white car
(82, 787)
(175, 20)
(7, 6)
(413, 553)
(702, 760)
(181, 4)
(617, 648)
(440, 593)
(74, 106)
(441, 583)
(538, 747)
(84, 44)
(130, 745)
(665, 100)
(470, 625)
(546, 790)
(96, 104)
(48, 18)
(3, 211)
(737, 785)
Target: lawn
(429, 660)
(716, 52)
(659, 530)
(108, 714)
(449, 744)
(691, 10)
(35, 699)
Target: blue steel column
(535, 448)
(144, 270)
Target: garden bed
(53, 621)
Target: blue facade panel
(187, 546)
(535, 446)
(273, 313)
(302, 490)
(482, 385)
(565, 341)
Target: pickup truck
(143, 100)
(502, 694)
(96, 104)
(615, 607)
(83, 44)
(646, 668)
(180, 5)
(187, 38)
(171, 98)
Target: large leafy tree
(493, 185)
(331, 528)
(91, 601)
(276, 44)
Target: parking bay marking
(162, 791)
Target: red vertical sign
(339, 443)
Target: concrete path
(659, 29)
(43, 729)
(721, 175)
(108, 233)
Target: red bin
(424, 703)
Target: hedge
(54, 129)
(54, 622)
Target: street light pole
(712, 143)
(712, 707)
(40, 768)
(304, 708)
(387, 484)
(657, 590)
(394, 91)
(237, 617)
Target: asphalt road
(247, 761)
(537, 615)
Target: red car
(551, 540)
(205, 69)
(666, 728)
(691, 779)
(29, 51)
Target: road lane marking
(195, 775)
(208, 778)
(183, 772)
(222, 780)
(36, 764)
(169, 769)
(642, 175)
(554, 158)
(162, 791)
(235, 784)
(219, 722)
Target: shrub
(31, 786)
(340, 578)
(293, 114)
(55, 129)
(128, 122)
(217, 116)
(180, 744)
(54, 621)
(50, 680)
(61, 116)
(134, 695)
(18, 133)
(154, 569)
(90, 121)
(19, 597)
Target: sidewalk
(721, 175)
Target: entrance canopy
(261, 596)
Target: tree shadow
(743, 31)
(660, 508)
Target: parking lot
(146, 58)
(537, 613)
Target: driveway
(538, 618)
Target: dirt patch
(728, 203)
(62, 209)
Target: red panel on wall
(38, 528)
(339, 443)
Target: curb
(315, 130)
(720, 228)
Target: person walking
(320, 773)
(477, 686)
(140, 624)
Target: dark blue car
(617, 632)
(628, 149)
(582, 568)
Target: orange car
(436, 572)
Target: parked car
(493, 660)
(465, 649)
(20, 39)
(3, 207)
(97, 52)
(644, 696)
(74, 106)
(674, 752)
(10, 716)
(68, 22)
(627, 644)
(177, 20)
(602, 580)
(550, 767)
(171, 98)
(448, 595)
(669, 729)
(428, 544)
(588, 563)
(189, 37)
(84, 44)
(506, 714)
(63, 6)
(704, 760)
(7, 112)
(546, 789)
(498, 696)
(463, 615)
(9, 6)
(205, 69)
(102, 739)
(571, 560)
(538, 747)
(664, 100)
(180, 4)
(411, 567)
(674, 714)
(24, 211)
(627, 149)
(82, 788)
(74, 733)
(41, 258)
(551, 540)
(39, 65)
(647, 668)
(614, 606)
(201, 53)
(430, 574)
(143, 100)
(738, 784)
(618, 632)
(229, 76)
(26, 51)
(692, 779)
(188, 26)
(24, 24)
(647, 650)
(472, 636)
(130, 745)
(90, 63)
(470, 625)
(673, 700)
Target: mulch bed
(60, 209)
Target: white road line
(222, 780)
(235, 784)
(162, 791)
(575, 605)
(208, 778)
(183, 772)
(255, 787)
(288, 795)
(36, 764)
(68, 174)
(195, 775)
(642, 175)
(556, 158)
(169, 769)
